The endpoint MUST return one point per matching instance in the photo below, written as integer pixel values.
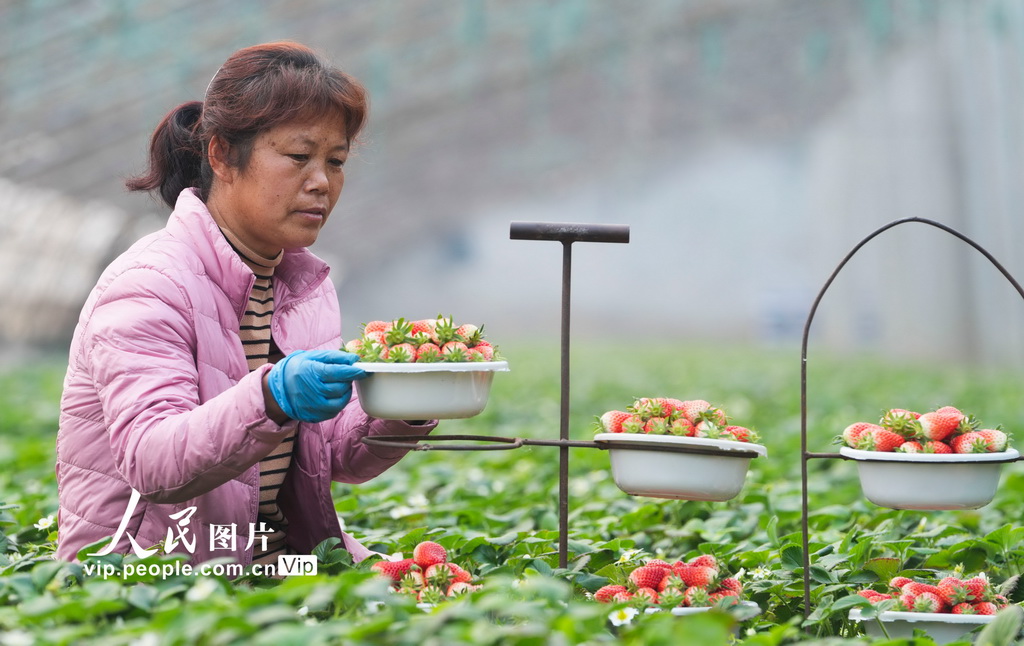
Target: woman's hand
(313, 385)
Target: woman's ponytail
(175, 155)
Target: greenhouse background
(749, 145)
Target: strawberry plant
(494, 515)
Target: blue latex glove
(314, 385)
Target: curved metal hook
(803, 368)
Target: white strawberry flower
(419, 501)
(622, 616)
(45, 522)
(628, 555)
(400, 511)
(202, 589)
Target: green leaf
(1003, 629)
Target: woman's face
(285, 194)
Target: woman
(207, 408)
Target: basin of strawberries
(946, 609)
(424, 369)
(679, 449)
(940, 459)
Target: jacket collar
(299, 272)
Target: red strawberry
(940, 424)
(985, 608)
(870, 595)
(693, 408)
(428, 353)
(650, 593)
(954, 590)
(901, 421)
(622, 597)
(681, 427)
(676, 404)
(376, 326)
(740, 433)
(917, 588)
(928, 602)
(1000, 601)
(429, 553)
(912, 446)
(606, 593)
(897, 582)
(972, 442)
(486, 349)
(879, 439)
(979, 588)
(696, 597)
(732, 583)
(375, 337)
(648, 576)
(706, 560)
(395, 570)
(461, 574)
(401, 353)
(353, 345)
(853, 432)
(659, 563)
(461, 587)
(469, 333)
(698, 575)
(718, 595)
(648, 407)
(611, 421)
(656, 426)
(936, 447)
(996, 440)
(963, 609)
(423, 326)
(454, 351)
(633, 424)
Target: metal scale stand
(805, 454)
(567, 234)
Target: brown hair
(256, 89)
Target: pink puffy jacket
(158, 398)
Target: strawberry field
(495, 515)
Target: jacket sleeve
(352, 461)
(140, 346)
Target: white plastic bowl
(426, 390)
(942, 627)
(651, 470)
(929, 481)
